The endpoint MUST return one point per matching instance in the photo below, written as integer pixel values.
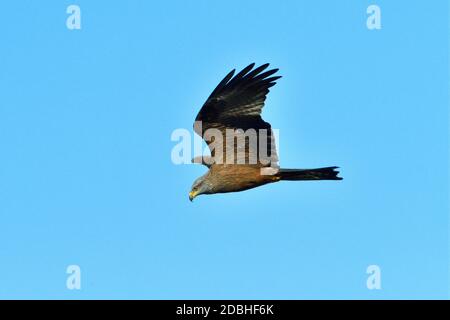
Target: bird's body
(243, 153)
(237, 177)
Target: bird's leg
(205, 160)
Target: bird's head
(200, 186)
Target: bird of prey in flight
(235, 105)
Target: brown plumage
(236, 104)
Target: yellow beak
(192, 195)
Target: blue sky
(86, 176)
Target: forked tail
(328, 173)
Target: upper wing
(236, 103)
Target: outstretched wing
(236, 103)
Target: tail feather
(328, 173)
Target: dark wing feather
(236, 103)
